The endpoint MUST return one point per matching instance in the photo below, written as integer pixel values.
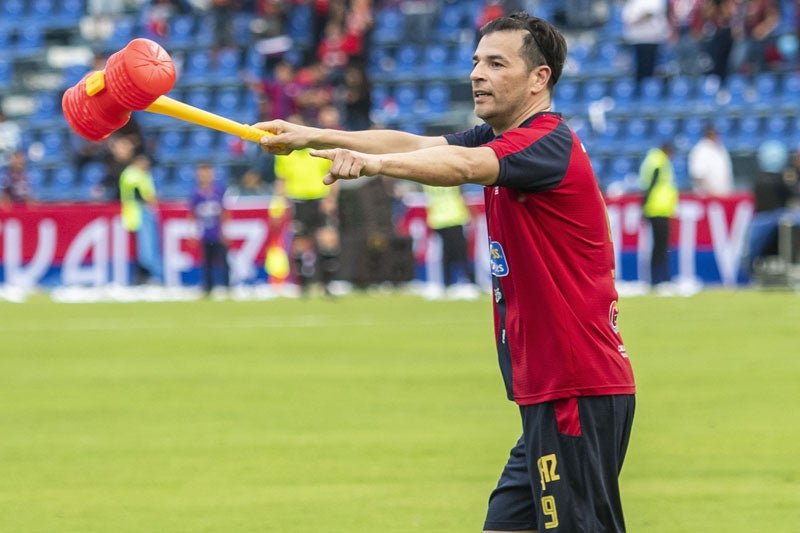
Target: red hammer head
(134, 78)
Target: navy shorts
(562, 475)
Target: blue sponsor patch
(498, 260)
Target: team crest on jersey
(613, 313)
(498, 261)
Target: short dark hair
(543, 44)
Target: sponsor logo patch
(498, 260)
(613, 313)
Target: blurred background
(726, 65)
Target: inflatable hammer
(136, 78)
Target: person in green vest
(139, 205)
(657, 181)
(448, 216)
(315, 242)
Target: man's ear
(539, 78)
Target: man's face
(500, 77)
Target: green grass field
(371, 413)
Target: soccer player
(555, 304)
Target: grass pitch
(371, 413)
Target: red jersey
(555, 303)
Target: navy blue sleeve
(533, 164)
(477, 136)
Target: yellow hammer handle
(165, 105)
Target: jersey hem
(615, 390)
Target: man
(314, 248)
(560, 352)
(657, 180)
(15, 189)
(139, 206)
(710, 165)
(208, 210)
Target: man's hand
(287, 136)
(348, 164)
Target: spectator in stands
(357, 98)
(337, 47)
(139, 206)
(10, 138)
(207, 209)
(685, 18)
(657, 181)
(448, 217)
(222, 13)
(278, 91)
(646, 29)
(315, 90)
(121, 150)
(249, 185)
(16, 188)
(756, 24)
(719, 16)
(314, 249)
(710, 166)
(551, 256)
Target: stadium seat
(181, 31)
(53, 145)
(623, 91)
(226, 66)
(169, 147)
(125, 28)
(437, 98)
(13, 11)
(199, 97)
(692, 129)
(299, 25)
(679, 93)
(228, 102)
(30, 41)
(389, 26)
(637, 137)
(183, 181)
(196, 68)
(651, 91)
(767, 90)
(42, 10)
(6, 73)
(406, 96)
(567, 97)
(740, 94)
(594, 90)
(161, 177)
(665, 127)
(201, 143)
(407, 59)
(70, 12)
(790, 89)
(451, 22)
(63, 184)
(706, 91)
(435, 60)
(461, 60)
(778, 127)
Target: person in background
(16, 188)
(449, 217)
(139, 205)
(10, 138)
(555, 302)
(646, 29)
(710, 165)
(249, 185)
(314, 249)
(657, 181)
(207, 209)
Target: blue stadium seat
(228, 103)
(30, 41)
(437, 98)
(181, 31)
(226, 66)
(42, 10)
(790, 89)
(651, 91)
(202, 143)
(778, 127)
(451, 22)
(436, 59)
(73, 74)
(63, 184)
(6, 72)
(389, 26)
(567, 97)
(693, 128)
(183, 181)
(767, 90)
(407, 59)
(637, 135)
(665, 127)
(169, 147)
(594, 90)
(739, 91)
(70, 12)
(13, 11)
(623, 91)
(161, 177)
(706, 92)
(199, 97)
(196, 67)
(620, 168)
(93, 173)
(406, 96)
(461, 60)
(679, 94)
(680, 166)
